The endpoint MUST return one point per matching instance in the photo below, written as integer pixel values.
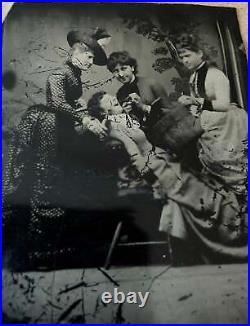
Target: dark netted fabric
(63, 89)
(35, 173)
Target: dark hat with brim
(101, 33)
(100, 58)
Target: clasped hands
(188, 100)
(94, 126)
(133, 100)
(191, 102)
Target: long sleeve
(154, 98)
(57, 84)
(160, 92)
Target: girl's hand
(94, 126)
(127, 106)
(194, 110)
(117, 133)
(187, 100)
(136, 99)
(81, 103)
(133, 100)
(81, 107)
(137, 135)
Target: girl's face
(110, 105)
(124, 73)
(82, 59)
(191, 59)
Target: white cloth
(223, 146)
(172, 221)
(217, 88)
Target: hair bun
(186, 40)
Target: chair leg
(113, 244)
(170, 249)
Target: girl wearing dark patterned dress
(40, 162)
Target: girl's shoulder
(215, 74)
(212, 70)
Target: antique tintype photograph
(125, 136)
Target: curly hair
(189, 42)
(94, 105)
(193, 43)
(122, 58)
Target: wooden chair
(115, 243)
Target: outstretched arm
(161, 93)
(84, 122)
(179, 185)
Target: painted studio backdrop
(35, 45)
(88, 209)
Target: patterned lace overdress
(35, 177)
